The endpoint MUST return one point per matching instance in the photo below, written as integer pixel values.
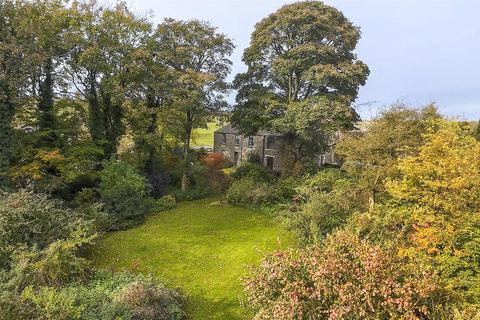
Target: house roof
(229, 129)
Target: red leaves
(346, 278)
(214, 160)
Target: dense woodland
(97, 110)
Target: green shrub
(84, 197)
(164, 203)
(124, 193)
(254, 171)
(287, 187)
(324, 203)
(31, 220)
(58, 264)
(254, 158)
(248, 191)
(105, 297)
(323, 180)
(192, 193)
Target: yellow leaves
(440, 188)
(445, 175)
(427, 238)
(50, 156)
(32, 170)
(36, 170)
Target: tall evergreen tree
(13, 76)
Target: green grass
(203, 248)
(204, 137)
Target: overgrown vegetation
(404, 203)
(104, 296)
(98, 108)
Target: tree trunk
(154, 164)
(186, 147)
(45, 106)
(112, 116)
(95, 116)
(7, 112)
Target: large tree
(148, 92)
(32, 48)
(12, 74)
(105, 39)
(302, 77)
(196, 56)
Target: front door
(270, 162)
(235, 158)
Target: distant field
(204, 137)
(202, 247)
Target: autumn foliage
(347, 278)
(214, 160)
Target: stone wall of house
(274, 156)
(276, 152)
(229, 147)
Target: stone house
(267, 146)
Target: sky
(418, 51)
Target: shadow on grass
(204, 308)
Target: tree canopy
(303, 75)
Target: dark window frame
(238, 140)
(251, 142)
(270, 145)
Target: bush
(323, 180)
(31, 220)
(346, 279)
(324, 203)
(214, 160)
(105, 297)
(287, 187)
(218, 181)
(164, 203)
(211, 179)
(147, 300)
(192, 193)
(124, 193)
(254, 171)
(56, 265)
(86, 196)
(254, 158)
(248, 191)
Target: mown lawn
(204, 137)
(202, 247)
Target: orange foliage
(214, 160)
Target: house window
(270, 161)
(321, 160)
(250, 141)
(237, 140)
(236, 157)
(223, 138)
(270, 143)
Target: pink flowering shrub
(347, 278)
